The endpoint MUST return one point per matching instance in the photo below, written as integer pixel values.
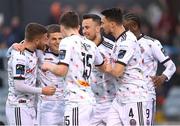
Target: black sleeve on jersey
(165, 61)
(121, 63)
(100, 64)
(19, 78)
(61, 63)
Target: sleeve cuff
(121, 63)
(100, 64)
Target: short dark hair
(70, 19)
(53, 28)
(132, 17)
(34, 30)
(113, 14)
(94, 17)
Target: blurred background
(160, 19)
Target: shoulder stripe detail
(107, 44)
(165, 61)
(150, 38)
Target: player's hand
(158, 80)
(108, 66)
(48, 90)
(45, 66)
(18, 47)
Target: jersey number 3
(87, 65)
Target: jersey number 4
(87, 65)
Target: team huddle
(58, 77)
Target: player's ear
(134, 26)
(36, 41)
(79, 27)
(98, 29)
(112, 25)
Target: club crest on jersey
(121, 54)
(20, 69)
(62, 54)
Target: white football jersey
(103, 84)
(152, 52)
(47, 78)
(131, 86)
(79, 54)
(22, 66)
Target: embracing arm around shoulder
(57, 69)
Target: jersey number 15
(87, 65)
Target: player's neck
(55, 51)
(138, 34)
(71, 32)
(98, 39)
(118, 31)
(29, 45)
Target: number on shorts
(147, 112)
(131, 113)
(66, 121)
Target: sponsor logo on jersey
(30, 70)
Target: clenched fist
(46, 66)
(48, 90)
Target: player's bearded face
(43, 42)
(106, 26)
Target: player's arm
(20, 86)
(57, 69)
(170, 68)
(107, 67)
(62, 67)
(18, 46)
(19, 71)
(99, 61)
(124, 55)
(117, 70)
(15, 46)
